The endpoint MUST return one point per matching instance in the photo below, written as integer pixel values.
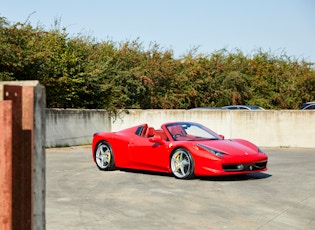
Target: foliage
(79, 72)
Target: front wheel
(104, 156)
(182, 164)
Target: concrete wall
(269, 128)
(69, 127)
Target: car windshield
(191, 132)
(253, 107)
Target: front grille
(260, 165)
(244, 167)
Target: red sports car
(185, 149)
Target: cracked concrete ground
(79, 196)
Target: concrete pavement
(79, 196)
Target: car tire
(104, 157)
(182, 164)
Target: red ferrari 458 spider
(185, 149)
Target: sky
(273, 26)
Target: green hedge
(79, 72)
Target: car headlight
(210, 150)
(260, 151)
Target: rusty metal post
(25, 154)
(6, 165)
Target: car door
(148, 155)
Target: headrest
(151, 132)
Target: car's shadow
(238, 177)
(136, 171)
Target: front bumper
(245, 167)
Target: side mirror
(222, 136)
(156, 139)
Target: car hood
(231, 147)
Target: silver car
(243, 107)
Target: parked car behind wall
(308, 105)
(244, 107)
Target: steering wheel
(177, 135)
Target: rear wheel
(182, 164)
(104, 156)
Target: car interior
(148, 132)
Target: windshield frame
(178, 132)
